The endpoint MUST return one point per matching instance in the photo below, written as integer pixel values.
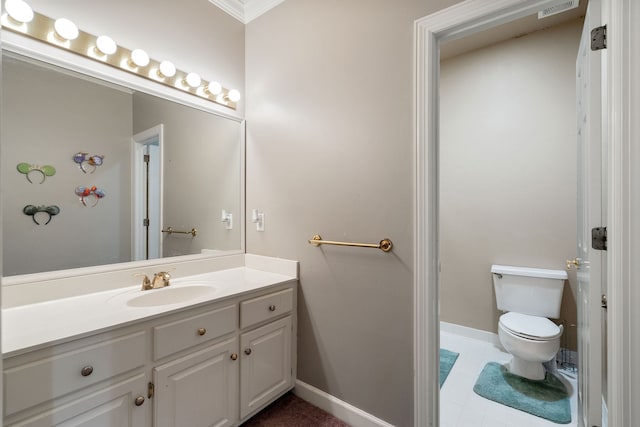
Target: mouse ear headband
(28, 170)
(87, 192)
(32, 211)
(83, 159)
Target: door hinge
(599, 238)
(599, 38)
(145, 222)
(151, 390)
(603, 301)
(146, 158)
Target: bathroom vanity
(83, 344)
(210, 349)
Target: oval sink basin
(170, 295)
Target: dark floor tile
(291, 411)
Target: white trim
(623, 252)
(246, 11)
(139, 140)
(234, 8)
(467, 332)
(457, 21)
(336, 407)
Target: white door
(266, 364)
(590, 263)
(198, 390)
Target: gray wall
(330, 151)
(202, 165)
(47, 118)
(508, 169)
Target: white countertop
(33, 325)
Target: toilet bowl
(531, 341)
(529, 296)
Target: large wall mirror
(51, 115)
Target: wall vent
(558, 8)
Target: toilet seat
(530, 327)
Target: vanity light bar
(137, 62)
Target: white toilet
(529, 296)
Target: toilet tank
(532, 291)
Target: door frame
(461, 20)
(591, 192)
(139, 141)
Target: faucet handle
(162, 277)
(146, 283)
(164, 274)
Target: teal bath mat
(546, 398)
(447, 359)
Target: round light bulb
(214, 88)
(19, 11)
(234, 95)
(140, 58)
(193, 80)
(106, 45)
(167, 69)
(66, 29)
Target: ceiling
(247, 10)
(514, 29)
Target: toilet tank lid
(529, 272)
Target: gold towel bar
(385, 245)
(171, 231)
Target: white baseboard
(336, 407)
(465, 331)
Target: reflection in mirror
(51, 115)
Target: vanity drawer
(265, 307)
(41, 380)
(184, 333)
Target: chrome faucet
(160, 280)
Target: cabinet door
(266, 364)
(114, 405)
(198, 390)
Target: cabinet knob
(86, 370)
(272, 307)
(139, 400)
(202, 331)
(247, 351)
(234, 356)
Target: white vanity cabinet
(199, 388)
(215, 363)
(96, 381)
(266, 368)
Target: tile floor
(461, 407)
(291, 411)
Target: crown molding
(246, 11)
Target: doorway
(147, 194)
(431, 34)
(507, 185)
